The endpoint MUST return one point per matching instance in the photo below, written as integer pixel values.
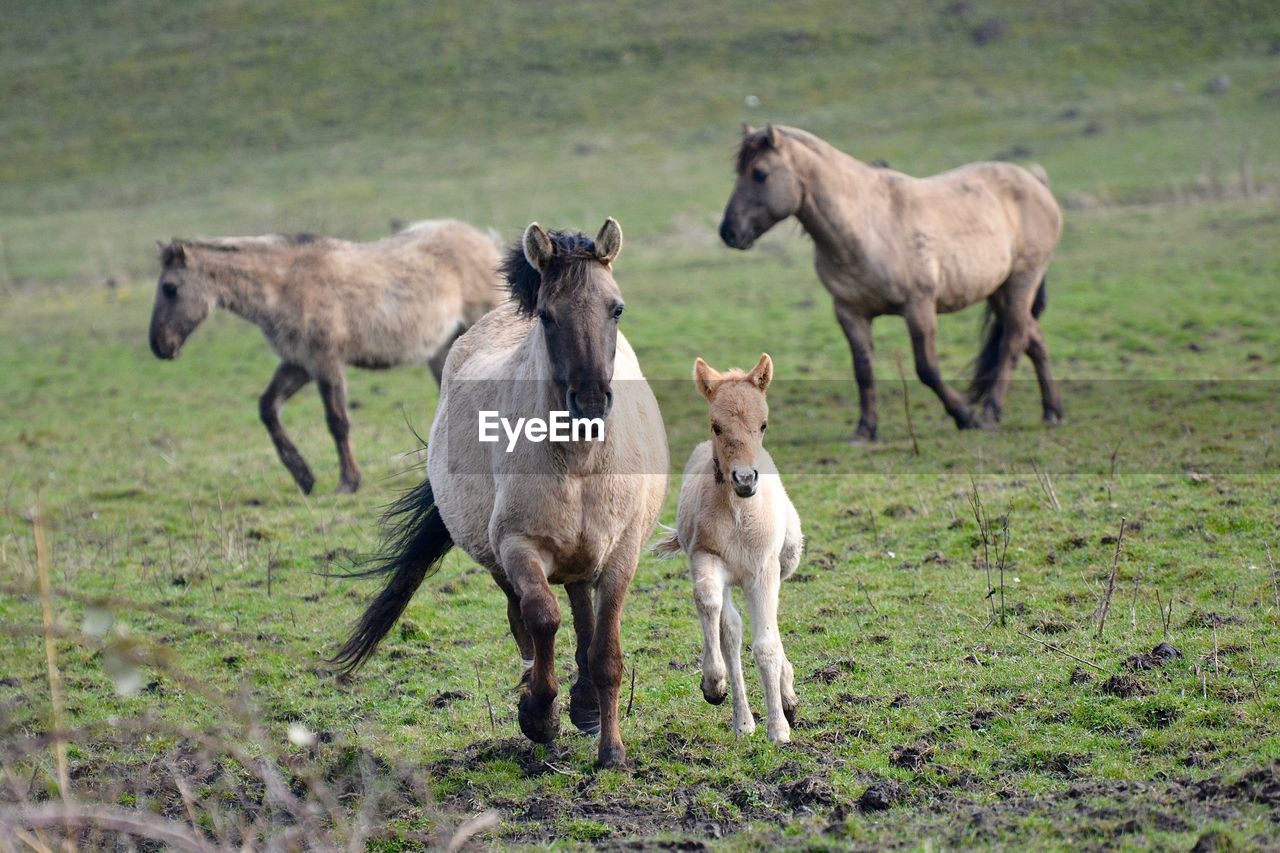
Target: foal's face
(183, 300)
(767, 190)
(579, 306)
(739, 417)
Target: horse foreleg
(605, 655)
(708, 596)
(584, 704)
(1050, 398)
(539, 713)
(857, 330)
(731, 646)
(922, 324)
(333, 392)
(524, 643)
(766, 646)
(288, 380)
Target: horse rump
(413, 547)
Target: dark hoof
(865, 433)
(306, 485)
(349, 488)
(790, 714)
(715, 694)
(1053, 418)
(540, 723)
(584, 711)
(612, 757)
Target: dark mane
(750, 147)
(571, 249)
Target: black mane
(569, 250)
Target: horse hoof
(539, 724)
(348, 488)
(789, 711)
(612, 757)
(715, 693)
(865, 434)
(584, 712)
(1053, 419)
(305, 486)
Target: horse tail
(413, 546)
(986, 369)
(668, 546)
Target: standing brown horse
(888, 243)
(537, 512)
(324, 303)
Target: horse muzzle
(167, 350)
(731, 238)
(746, 481)
(589, 405)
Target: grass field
(186, 568)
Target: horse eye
(169, 289)
(715, 428)
(764, 427)
(759, 175)
(545, 317)
(617, 312)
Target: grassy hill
(170, 519)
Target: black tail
(987, 367)
(415, 542)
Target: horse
(739, 529)
(538, 513)
(888, 243)
(324, 303)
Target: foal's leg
(766, 645)
(605, 655)
(731, 647)
(857, 330)
(539, 713)
(289, 378)
(922, 323)
(709, 594)
(584, 704)
(1050, 399)
(333, 392)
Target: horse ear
(747, 130)
(705, 377)
(609, 241)
(762, 374)
(537, 247)
(772, 135)
(172, 255)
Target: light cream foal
(740, 529)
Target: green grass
(127, 122)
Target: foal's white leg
(708, 594)
(731, 645)
(766, 644)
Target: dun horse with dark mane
(323, 304)
(540, 512)
(888, 243)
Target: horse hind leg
(1050, 397)
(333, 393)
(1010, 337)
(731, 647)
(584, 702)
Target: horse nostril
(726, 234)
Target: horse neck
(248, 284)
(843, 199)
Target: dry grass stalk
(906, 405)
(51, 652)
(1104, 606)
